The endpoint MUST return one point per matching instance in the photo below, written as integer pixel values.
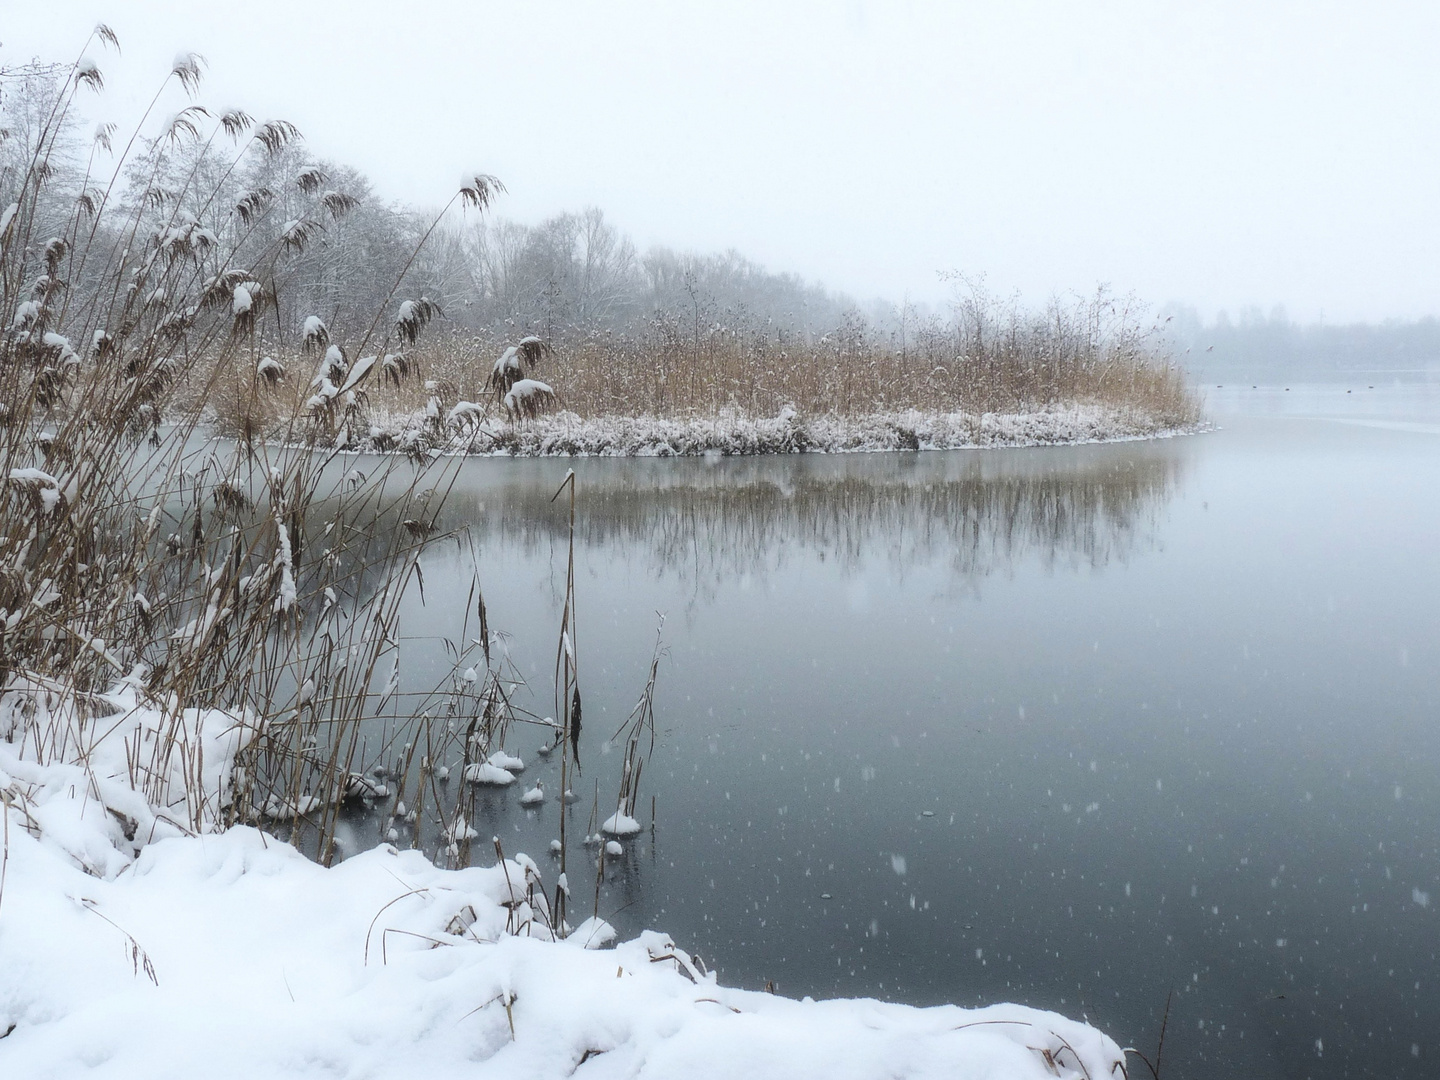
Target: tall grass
(262, 579)
(990, 356)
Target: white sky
(1220, 154)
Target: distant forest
(1270, 348)
(571, 276)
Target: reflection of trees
(976, 512)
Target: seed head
(480, 190)
(187, 68)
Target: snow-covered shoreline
(137, 939)
(472, 429)
(231, 955)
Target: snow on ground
(146, 775)
(566, 434)
(229, 954)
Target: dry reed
(990, 357)
(262, 579)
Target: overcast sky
(1218, 154)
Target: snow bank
(99, 776)
(136, 941)
(233, 956)
(566, 434)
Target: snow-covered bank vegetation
(732, 432)
(197, 643)
(992, 375)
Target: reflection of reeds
(638, 728)
(567, 691)
(977, 512)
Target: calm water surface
(1072, 727)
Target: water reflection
(707, 522)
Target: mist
(1220, 158)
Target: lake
(1073, 727)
